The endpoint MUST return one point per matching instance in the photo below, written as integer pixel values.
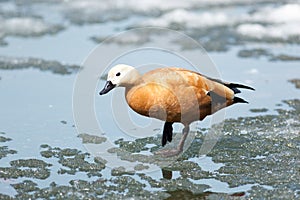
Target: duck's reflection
(167, 174)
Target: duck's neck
(132, 79)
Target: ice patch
(288, 13)
(283, 23)
(216, 24)
(146, 6)
(94, 11)
(222, 187)
(26, 26)
(190, 19)
(282, 31)
(134, 5)
(11, 63)
(23, 26)
(207, 164)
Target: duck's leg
(179, 149)
(167, 133)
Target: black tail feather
(239, 100)
(235, 86)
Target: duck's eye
(118, 74)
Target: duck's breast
(154, 100)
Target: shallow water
(42, 154)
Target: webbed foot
(168, 152)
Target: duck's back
(177, 95)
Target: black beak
(108, 87)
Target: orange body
(177, 95)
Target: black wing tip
(237, 85)
(239, 100)
(233, 86)
(248, 87)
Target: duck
(173, 95)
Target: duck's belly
(162, 103)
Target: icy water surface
(42, 46)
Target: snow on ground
(282, 22)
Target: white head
(120, 75)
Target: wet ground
(258, 157)
(43, 155)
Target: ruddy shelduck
(173, 95)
